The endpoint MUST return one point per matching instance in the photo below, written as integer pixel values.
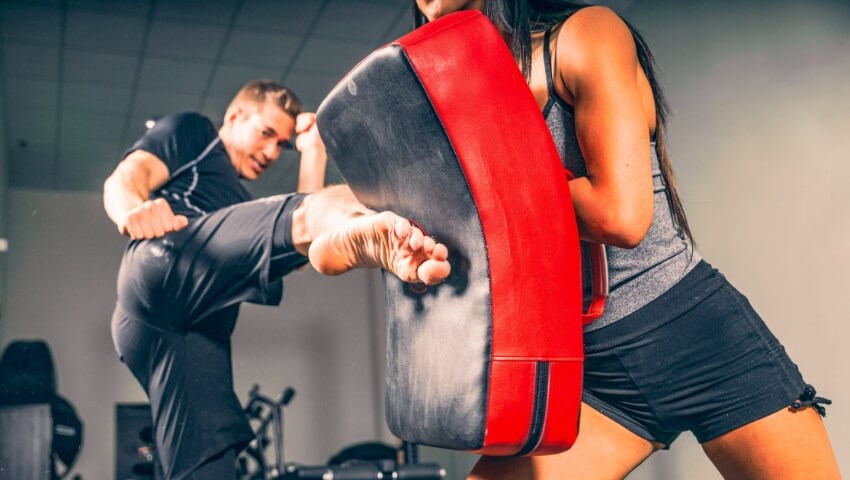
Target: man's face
(259, 132)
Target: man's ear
(231, 114)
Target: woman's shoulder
(594, 17)
(594, 47)
(594, 30)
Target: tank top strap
(547, 61)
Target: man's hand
(314, 159)
(151, 219)
(126, 193)
(308, 133)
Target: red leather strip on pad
(564, 403)
(512, 167)
(510, 406)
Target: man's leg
(198, 421)
(339, 234)
(221, 466)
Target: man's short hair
(260, 91)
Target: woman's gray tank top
(635, 276)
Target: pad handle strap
(598, 276)
(599, 279)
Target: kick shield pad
(440, 127)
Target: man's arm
(126, 193)
(314, 158)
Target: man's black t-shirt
(202, 178)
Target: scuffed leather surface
(382, 133)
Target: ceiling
(78, 78)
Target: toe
(402, 227)
(432, 272)
(428, 245)
(440, 252)
(416, 239)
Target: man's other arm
(126, 196)
(314, 158)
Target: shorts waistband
(696, 286)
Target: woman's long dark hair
(522, 18)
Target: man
(199, 248)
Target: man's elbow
(109, 185)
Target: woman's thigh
(787, 444)
(603, 450)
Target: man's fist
(308, 133)
(151, 219)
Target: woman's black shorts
(698, 358)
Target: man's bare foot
(381, 240)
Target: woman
(678, 349)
